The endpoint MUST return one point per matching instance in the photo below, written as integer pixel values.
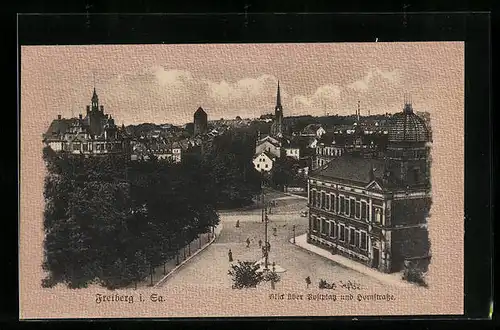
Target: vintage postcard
(241, 180)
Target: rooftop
(352, 168)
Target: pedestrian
(275, 231)
(268, 247)
(237, 223)
(308, 281)
(230, 255)
(260, 243)
(248, 242)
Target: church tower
(95, 101)
(95, 115)
(277, 127)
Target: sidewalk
(393, 279)
(217, 231)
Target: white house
(293, 152)
(264, 161)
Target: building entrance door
(375, 257)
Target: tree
(273, 277)
(245, 274)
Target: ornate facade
(96, 134)
(375, 210)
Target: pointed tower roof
(94, 96)
(278, 96)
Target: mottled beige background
(166, 83)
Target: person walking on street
(237, 223)
(230, 255)
(260, 243)
(248, 242)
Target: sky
(167, 83)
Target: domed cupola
(407, 154)
(407, 126)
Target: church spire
(95, 98)
(278, 96)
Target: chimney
(59, 117)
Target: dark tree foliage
(110, 221)
(227, 163)
(284, 173)
(245, 275)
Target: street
(211, 266)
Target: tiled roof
(59, 126)
(270, 155)
(352, 168)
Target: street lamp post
(264, 219)
(262, 194)
(266, 242)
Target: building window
(266, 165)
(76, 146)
(318, 199)
(353, 206)
(351, 236)
(324, 227)
(332, 202)
(85, 147)
(342, 204)
(333, 226)
(364, 210)
(315, 224)
(363, 241)
(258, 165)
(377, 215)
(356, 239)
(358, 210)
(323, 199)
(342, 232)
(416, 175)
(327, 205)
(347, 211)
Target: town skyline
(149, 84)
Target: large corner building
(375, 211)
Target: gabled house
(264, 161)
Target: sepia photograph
(209, 180)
